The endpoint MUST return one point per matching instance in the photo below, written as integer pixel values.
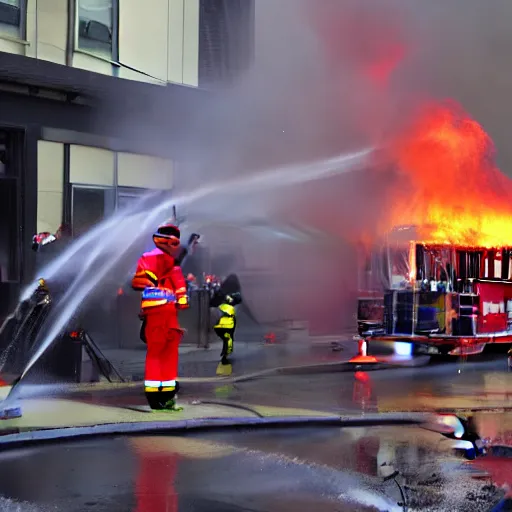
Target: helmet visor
(166, 241)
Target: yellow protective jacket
(227, 320)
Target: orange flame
(455, 193)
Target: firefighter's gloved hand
(182, 302)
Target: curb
(13, 440)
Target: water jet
(106, 253)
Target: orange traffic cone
(362, 357)
(270, 338)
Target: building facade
(94, 98)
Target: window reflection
(11, 16)
(95, 26)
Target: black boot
(160, 400)
(154, 400)
(168, 396)
(163, 401)
(168, 400)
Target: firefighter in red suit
(164, 291)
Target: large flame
(455, 192)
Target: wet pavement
(320, 469)
(249, 357)
(283, 471)
(480, 383)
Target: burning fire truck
(442, 298)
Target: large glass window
(127, 196)
(90, 205)
(225, 39)
(96, 22)
(12, 17)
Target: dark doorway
(11, 228)
(9, 247)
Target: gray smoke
(329, 77)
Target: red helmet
(167, 237)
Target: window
(127, 197)
(96, 22)
(90, 205)
(12, 17)
(225, 40)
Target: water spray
(103, 258)
(73, 299)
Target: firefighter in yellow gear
(225, 330)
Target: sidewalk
(60, 418)
(248, 357)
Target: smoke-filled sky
(339, 75)
(321, 68)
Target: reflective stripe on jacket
(152, 296)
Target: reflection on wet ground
(432, 478)
(278, 470)
(453, 385)
(459, 385)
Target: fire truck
(439, 298)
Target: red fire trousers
(163, 337)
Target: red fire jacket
(157, 270)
